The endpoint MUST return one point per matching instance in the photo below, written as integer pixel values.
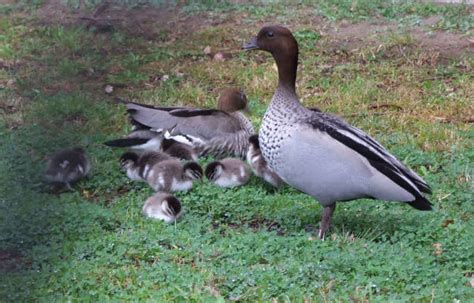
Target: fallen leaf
(220, 56)
(208, 50)
(108, 89)
(87, 194)
(11, 83)
(447, 222)
(438, 249)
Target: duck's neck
(287, 67)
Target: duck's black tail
(421, 203)
(126, 142)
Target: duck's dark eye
(270, 34)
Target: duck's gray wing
(378, 157)
(232, 144)
(365, 145)
(204, 124)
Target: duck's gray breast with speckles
(277, 125)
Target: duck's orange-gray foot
(326, 220)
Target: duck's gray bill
(252, 44)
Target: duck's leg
(68, 186)
(326, 220)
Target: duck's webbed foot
(326, 220)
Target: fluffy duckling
(171, 175)
(259, 165)
(228, 172)
(162, 206)
(137, 165)
(67, 166)
(179, 150)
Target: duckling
(137, 165)
(171, 175)
(228, 172)
(67, 166)
(259, 165)
(179, 150)
(162, 206)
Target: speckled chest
(278, 123)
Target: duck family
(312, 151)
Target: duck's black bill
(252, 44)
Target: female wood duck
(217, 132)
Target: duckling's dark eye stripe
(174, 205)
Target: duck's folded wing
(191, 112)
(375, 153)
(201, 123)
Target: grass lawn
(401, 70)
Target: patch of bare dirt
(151, 22)
(146, 21)
(350, 37)
(10, 260)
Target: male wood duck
(321, 154)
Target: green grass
(245, 244)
